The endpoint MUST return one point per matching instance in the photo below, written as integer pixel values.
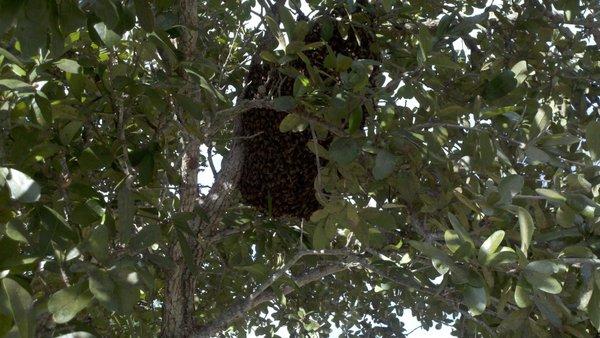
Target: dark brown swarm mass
(278, 170)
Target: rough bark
(179, 294)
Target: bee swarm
(278, 170)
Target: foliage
(476, 207)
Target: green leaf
(291, 122)
(107, 12)
(526, 228)
(103, 289)
(77, 334)
(431, 252)
(144, 14)
(22, 187)
(258, 270)
(108, 37)
(320, 240)
(504, 256)
(193, 108)
(67, 65)
(476, 299)
(425, 44)
(522, 298)
(16, 85)
(355, 119)
(269, 56)
(69, 132)
(510, 186)
(284, 103)
(42, 109)
(593, 307)
(545, 266)
(344, 150)
(149, 235)
(592, 136)
(543, 282)
(387, 4)
(66, 303)
(343, 62)
(490, 246)
(98, 242)
(452, 111)
(300, 85)
(21, 307)
(56, 223)
(71, 17)
(551, 195)
(520, 71)
(513, 321)
(536, 155)
(318, 149)
(8, 55)
(557, 140)
(385, 163)
(453, 242)
(460, 230)
(500, 85)
(577, 251)
(15, 230)
(496, 111)
(548, 309)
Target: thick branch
(239, 310)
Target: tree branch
(219, 236)
(239, 310)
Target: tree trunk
(178, 311)
(179, 294)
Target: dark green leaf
(144, 14)
(510, 186)
(500, 85)
(385, 164)
(107, 12)
(68, 132)
(284, 103)
(592, 135)
(344, 150)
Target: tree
(475, 206)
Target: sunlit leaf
(66, 303)
(22, 187)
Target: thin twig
(211, 164)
